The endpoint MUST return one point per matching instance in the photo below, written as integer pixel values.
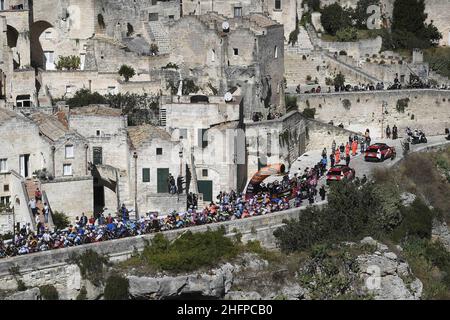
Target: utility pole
(383, 109)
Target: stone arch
(37, 53)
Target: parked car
(380, 152)
(340, 172)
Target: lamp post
(12, 207)
(135, 156)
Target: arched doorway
(12, 36)
(38, 58)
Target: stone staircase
(303, 44)
(31, 186)
(158, 33)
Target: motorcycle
(421, 138)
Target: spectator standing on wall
(46, 212)
(32, 204)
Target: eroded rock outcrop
(386, 276)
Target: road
(311, 158)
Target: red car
(379, 152)
(339, 172)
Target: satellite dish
(228, 97)
(225, 26)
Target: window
(171, 17)
(67, 169)
(237, 12)
(153, 16)
(69, 152)
(6, 187)
(277, 4)
(213, 55)
(145, 174)
(275, 52)
(205, 172)
(111, 90)
(159, 151)
(4, 200)
(98, 155)
(98, 132)
(202, 138)
(3, 165)
(69, 89)
(236, 51)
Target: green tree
(339, 80)
(84, 97)
(360, 14)
(60, 220)
(408, 25)
(127, 72)
(334, 18)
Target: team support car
(340, 172)
(380, 152)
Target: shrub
(116, 288)
(84, 97)
(127, 72)
(68, 63)
(347, 34)
(49, 292)
(190, 251)
(82, 295)
(346, 104)
(60, 220)
(348, 216)
(402, 104)
(170, 65)
(91, 265)
(308, 78)
(416, 223)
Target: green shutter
(205, 187)
(162, 175)
(145, 175)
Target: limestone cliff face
(379, 275)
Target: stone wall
(427, 109)
(274, 141)
(72, 196)
(53, 267)
(321, 135)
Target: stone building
(211, 134)
(154, 154)
(245, 52)
(282, 11)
